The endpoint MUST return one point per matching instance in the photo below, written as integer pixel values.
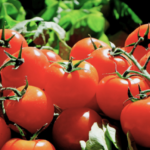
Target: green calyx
(140, 96)
(34, 136)
(16, 62)
(18, 94)
(5, 42)
(143, 41)
(69, 67)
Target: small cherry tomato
(112, 92)
(32, 111)
(73, 88)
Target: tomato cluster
(97, 81)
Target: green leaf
(49, 12)
(96, 22)
(131, 142)
(10, 8)
(102, 137)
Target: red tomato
(51, 56)
(106, 64)
(15, 43)
(32, 111)
(73, 125)
(19, 144)
(5, 133)
(135, 118)
(112, 92)
(140, 50)
(74, 89)
(84, 47)
(34, 67)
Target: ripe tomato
(19, 144)
(140, 50)
(15, 43)
(5, 133)
(106, 64)
(112, 92)
(73, 125)
(34, 67)
(84, 47)
(71, 89)
(135, 119)
(143, 61)
(32, 111)
(51, 56)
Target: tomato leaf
(102, 137)
(131, 143)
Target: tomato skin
(84, 47)
(106, 64)
(19, 144)
(32, 111)
(5, 133)
(51, 56)
(75, 89)
(15, 43)
(73, 125)
(135, 118)
(140, 51)
(113, 103)
(34, 68)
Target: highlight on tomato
(29, 107)
(10, 41)
(51, 55)
(71, 83)
(73, 125)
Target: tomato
(51, 56)
(32, 111)
(140, 50)
(135, 119)
(105, 64)
(5, 133)
(15, 43)
(73, 125)
(84, 47)
(34, 67)
(112, 92)
(71, 89)
(19, 144)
